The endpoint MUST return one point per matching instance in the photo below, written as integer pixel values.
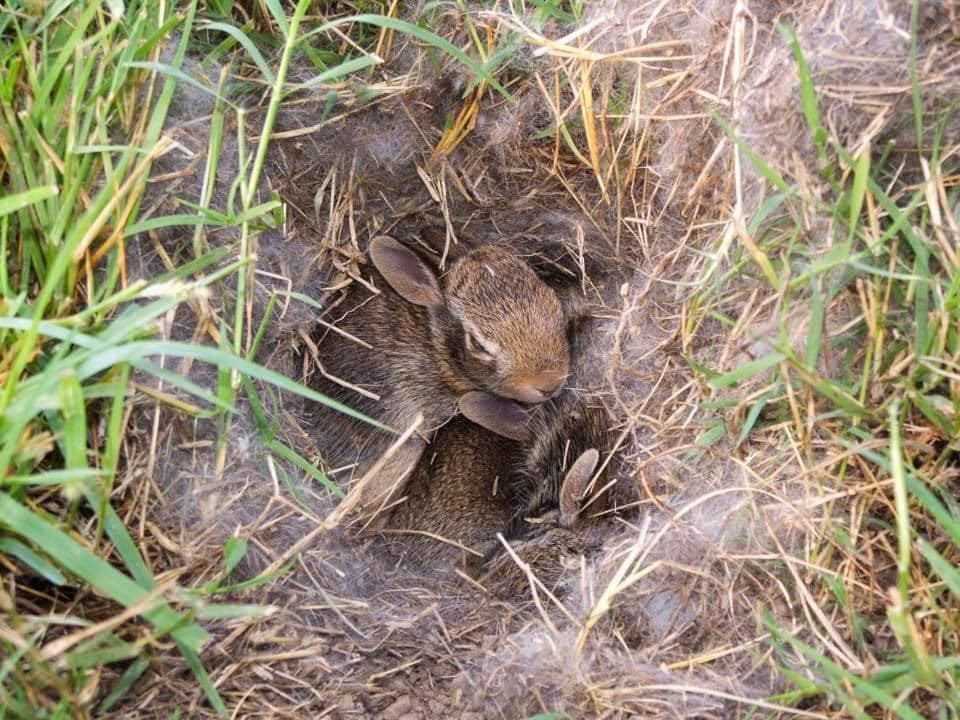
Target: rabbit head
(567, 486)
(548, 543)
(495, 326)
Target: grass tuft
(858, 372)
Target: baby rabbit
(488, 324)
(460, 495)
(554, 483)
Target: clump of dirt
(634, 204)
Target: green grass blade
(815, 333)
(916, 95)
(175, 73)
(259, 580)
(941, 566)
(244, 41)
(266, 434)
(808, 95)
(18, 201)
(861, 172)
(837, 394)
(338, 71)
(921, 262)
(769, 206)
(52, 477)
(203, 679)
(165, 221)
(233, 611)
(74, 411)
(278, 448)
(94, 570)
(117, 531)
(126, 681)
(276, 9)
(233, 552)
(423, 35)
(930, 411)
(747, 370)
(762, 167)
(752, 417)
(15, 548)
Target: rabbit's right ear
(574, 484)
(406, 272)
(496, 414)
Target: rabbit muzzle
(534, 388)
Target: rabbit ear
(577, 309)
(496, 414)
(406, 272)
(574, 484)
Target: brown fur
(419, 360)
(564, 433)
(540, 488)
(560, 516)
(460, 491)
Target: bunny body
(489, 324)
(548, 532)
(459, 497)
(473, 484)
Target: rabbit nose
(535, 388)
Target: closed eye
(476, 348)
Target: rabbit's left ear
(496, 414)
(575, 483)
